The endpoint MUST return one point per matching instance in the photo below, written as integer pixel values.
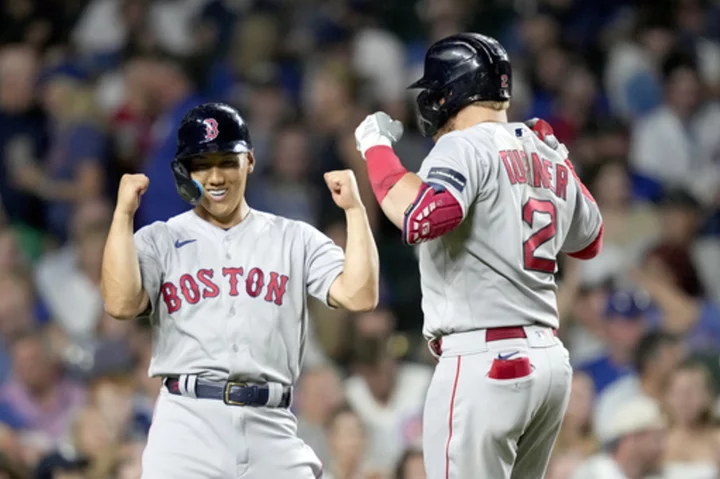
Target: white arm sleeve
(586, 221)
(149, 258)
(324, 261)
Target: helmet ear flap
(431, 115)
(188, 189)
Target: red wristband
(384, 170)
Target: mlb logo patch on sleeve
(449, 176)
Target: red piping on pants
(450, 420)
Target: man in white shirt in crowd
(634, 444)
(656, 357)
(387, 394)
(677, 144)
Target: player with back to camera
(492, 207)
(225, 287)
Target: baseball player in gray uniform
(226, 287)
(491, 208)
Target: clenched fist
(377, 129)
(132, 187)
(344, 189)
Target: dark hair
(695, 365)
(13, 468)
(677, 60)
(653, 17)
(609, 126)
(681, 198)
(593, 172)
(185, 66)
(649, 346)
(409, 453)
(677, 258)
(343, 408)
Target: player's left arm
(425, 205)
(584, 239)
(350, 280)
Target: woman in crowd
(347, 439)
(576, 432)
(693, 446)
(669, 276)
(74, 168)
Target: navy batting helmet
(208, 128)
(459, 70)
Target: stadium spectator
(630, 225)
(682, 218)
(676, 144)
(130, 459)
(68, 279)
(672, 281)
(387, 394)
(693, 446)
(114, 396)
(656, 357)
(95, 438)
(23, 133)
(130, 117)
(577, 102)
(582, 304)
(635, 444)
(16, 314)
(285, 190)
(631, 75)
(74, 169)
(347, 439)
(319, 395)
(625, 325)
(411, 465)
(37, 400)
(576, 433)
(171, 93)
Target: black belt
(232, 393)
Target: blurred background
(92, 89)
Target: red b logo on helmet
(211, 129)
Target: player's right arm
(121, 283)
(423, 206)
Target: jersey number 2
(539, 237)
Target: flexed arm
(121, 282)
(422, 210)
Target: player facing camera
(225, 287)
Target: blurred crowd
(92, 89)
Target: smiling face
(223, 177)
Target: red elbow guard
(434, 213)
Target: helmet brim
(422, 83)
(201, 149)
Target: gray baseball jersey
(231, 304)
(522, 205)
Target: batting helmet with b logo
(208, 128)
(459, 70)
